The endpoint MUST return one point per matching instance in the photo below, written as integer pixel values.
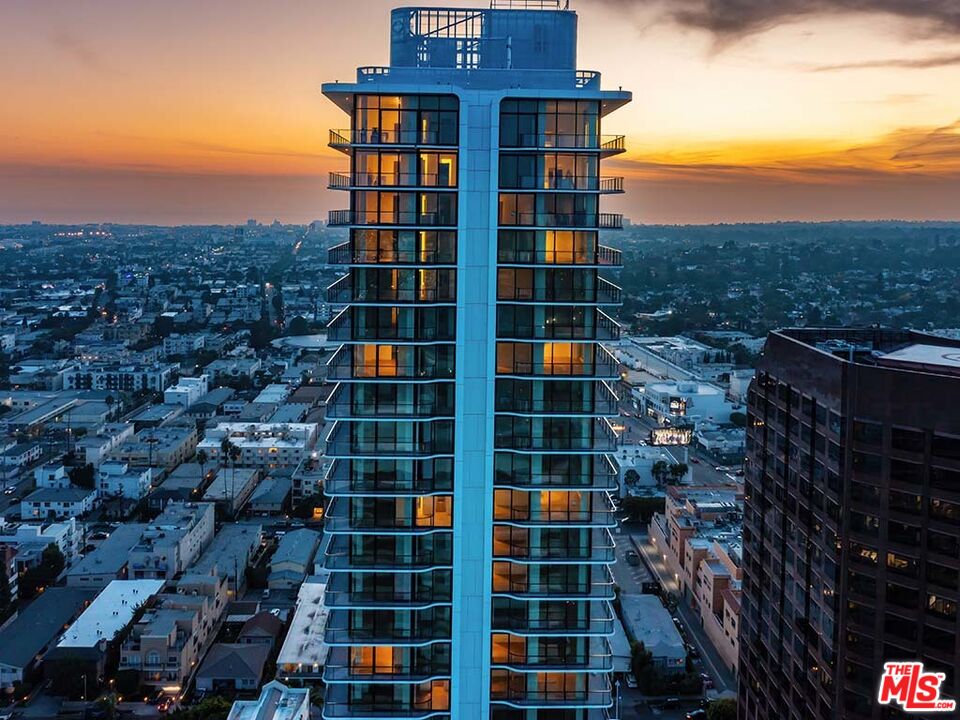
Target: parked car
(632, 558)
(697, 715)
(631, 681)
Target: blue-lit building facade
(470, 515)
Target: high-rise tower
(851, 533)
(470, 516)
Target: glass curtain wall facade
(469, 515)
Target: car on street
(632, 558)
(694, 461)
(10, 490)
(700, 714)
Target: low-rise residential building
(93, 448)
(263, 445)
(48, 503)
(276, 702)
(25, 640)
(16, 456)
(187, 391)
(173, 541)
(109, 561)
(172, 636)
(116, 478)
(293, 559)
(31, 539)
(232, 666)
(121, 378)
(699, 540)
(89, 639)
(161, 447)
(272, 494)
(231, 488)
(308, 477)
(226, 369)
(647, 621)
(231, 552)
(304, 652)
(177, 344)
(51, 475)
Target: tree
(82, 476)
(738, 419)
(659, 471)
(298, 326)
(44, 573)
(214, 707)
(631, 477)
(109, 400)
(643, 508)
(202, 459)
(725, 709)
(677, 471)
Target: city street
(723, 679)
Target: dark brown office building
(851, 532)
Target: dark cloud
(734, 18)
(934, 61)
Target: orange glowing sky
(183, 111)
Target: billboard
(674, 435)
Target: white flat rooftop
(926, 355)
(109, 612)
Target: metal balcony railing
(609, 256)
(342, 254)
(424, 478)
(610, 221)
(611, 185)
(344, 290)
(343, 139)
(603, 401)
(595, 693)
(605, 144)
(393, 180)
(339, 218)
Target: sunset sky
(195, 111)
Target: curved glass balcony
(557, 322)
(599, 548)
(375, 477)
(399, 363)
(595, 510)
(392, 628)
(409, 516)
(377, 701)
(513, 581)
(418, 325)
(404, 664)
(537, 434)
(576, 398)
(522, 618)
(406, 591)
(512, 291)
(389, 553)
(395, 287)
(594, 655)
(551, 690)
(350, 401)
(561, 361)
(592, 473)
(389, 439)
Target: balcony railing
(343, 255)
(340, 406)
(534, 626)
(538, 554)
(603, 293)
(603, 402)
(341, 632)
(424, 478)
(595, 693)
(411, 180)
(609, 256)
(604, 477)
(341, 443)
(603, 439)
(611, 185)
(344, 290)
(605, 144)
(340, 218)
(344, 139)
(343, 367)
(610, 221)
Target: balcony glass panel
(549, 247)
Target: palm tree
(202, 459)
(235, 454)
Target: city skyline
(187, 113)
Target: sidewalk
(723, 679)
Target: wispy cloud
(924, 63)
(730, 19)
(922, 154)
